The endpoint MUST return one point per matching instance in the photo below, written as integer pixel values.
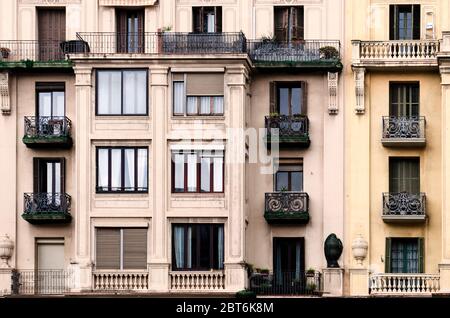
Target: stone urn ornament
(333, 250)
(359, 248)
(6, 249)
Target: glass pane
(205, 105)
(142, 170)
(179, 172)
(205, 246)
(296, 181)
(103, 169)
(296, 101)
(205, 174)
(218, 105)
(283, 102)
(109, 93)
(135, 92)
(282, 181)
(218, 174)
(58, 104)
(116, 173)
(192, 172)
(192, 105)
(57, 186)
(45, 104)
(129, 170)
(178, 246)
(178, 98)
(211, 23)
(50, 177)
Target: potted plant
(4, 51)
(310, 272)
(274, 115)
(328, 53)
(250, 269)
(246, 293)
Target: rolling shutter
(108, 248)
(206, 84)
(135, 248)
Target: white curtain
(116, 162)
(189, 248)
(58, 104)
(192, 105)
(192, 172)
(218, 105)
(179, 246)
(205, 174)
(218, 174)
(109, 93)
(205, 105)
(179, 172)
(45, 104)
(220, 247)
(102, 168)
(129, 169)
(211, 21)
(142, 169)
(135, 92)
(178, 98)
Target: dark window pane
(297, 181)
(296, 101)
(283, 103)
(282, 181)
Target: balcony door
(50, 267)
(50, 108)
(289, 23)
(404, 22)
(288, 259)
(130, 31)
(289, 178)
(51, 32)
(404, 175)
(48, 183)
(404, 255)
(288, 98)
(404, 99)
(207, 19)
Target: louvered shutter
(387, 256)
(121, 26)
(218, 19)
(108, 248)
(197, 19)
(141, 30)
(36, 173)
(298, 23)
(416, 22)
(393, 13)
(281, 23)
(273, 97)
(135, 248)
(304, 87)
(421, 255)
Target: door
(288, 262)
(51, 32)
(49, 184)
(130, 31)
(50, 267)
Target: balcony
(286, 208)
(162, 43)
(42, 282)
(403, 131)
(32, 54)
(115, 281)
(287, 130)
(404, 207)
(197, 281)
(307, 54)
(404, 284)
(286, 284)
(417, 54)
(47, 132)
(47, 208)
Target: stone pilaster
(333, 282)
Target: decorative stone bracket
(5, 105)
(333, 101)
(359, 75)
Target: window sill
(206, 118)
(122, 117)
(198, 195)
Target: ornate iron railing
(404, 127)
(403, 284)
(42, 282)
(47, 127)
(295, 51)
(33, 50)
(287, 202)
(45, 203)
(287, 283)
(161, 43)
(403, 203)
(295, 128)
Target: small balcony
(404, 207)
(202, 281)
(42, 282)
(403, 131)
(162, 43)
(32, 54)
(287, 131)
(286, 208)
(47, 208)
(404, 284)
(116, 281)
(413, 54)
(47, 132)
(307, 54)
(286, 284)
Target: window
(288, 258)
(130, 31)
(404, 175)
(48, 175)
(121, 249)
(198, 94)
(289, 23)
(289, 178)
(197, 246)
(122, 92)
(404, 255)
(197, 171)
(404, 99)
(404, 22)
(50, 99)
(207, 19)
(288, 98)
(122, 169)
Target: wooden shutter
(51, 32)
(63, 174)
(298, 23)
(218, 19)
(121, 28)
(135, 248)
(205, 84)
(36, 173)
(273, 97)
(281, 16)
(197, 19)
(387, 256)
(393, 14)
(141, 30)
(304, 110)
(108, 248)
(421, 255)
(416, 21)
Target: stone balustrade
(200, 281)
(403, 284)
(120, 280)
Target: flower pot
(333, 250)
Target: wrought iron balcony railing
(286, 283)
(403, 131)
(303, 51)
(43, 131)
(287, 207)
(31, 50)
(164, 43)
(404, 206)
(42, 282)
(287, 130)
(42, 208)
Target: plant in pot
(274, 115)
(328, 52)
(310, 272)
(4, 51)
(311, 287)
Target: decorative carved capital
(5, 105)
(333, 100)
